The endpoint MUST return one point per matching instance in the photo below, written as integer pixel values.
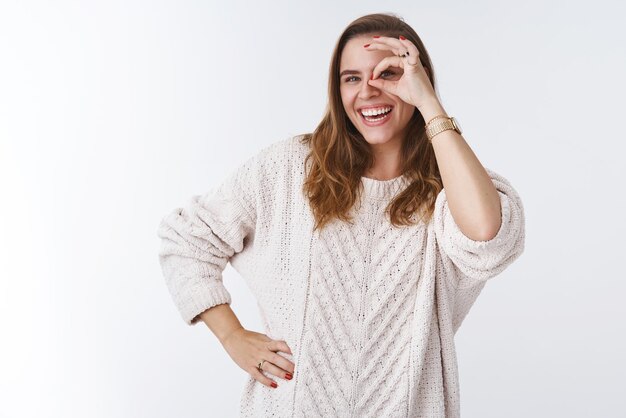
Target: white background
(114, 113)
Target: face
(357, 93)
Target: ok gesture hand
(413, 87)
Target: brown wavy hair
(340, 155)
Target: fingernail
(375, 36)
(274, 385)
(402, 37)
(366, 45)
(288, 376)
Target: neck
(382, 175)
(386, 164)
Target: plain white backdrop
(114, 113)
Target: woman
(365, 244)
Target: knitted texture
(369, 310)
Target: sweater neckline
(383, 189)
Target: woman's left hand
(413, 87)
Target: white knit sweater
(369, 310)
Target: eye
(348, 79)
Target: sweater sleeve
(476, 261)
(198, 240)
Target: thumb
(380, 84)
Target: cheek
(346, 102)
(407, 112)
(344, 96)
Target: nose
(366, 91)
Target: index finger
(279, 345)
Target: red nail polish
(372, 76)
(288, 376)
(402, 37)
(375, 36)
(366, 45)
(274, 385)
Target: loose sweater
(369, 310)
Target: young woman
(365, 244)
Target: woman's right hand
(248, 348)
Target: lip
(377, 123)
(375, 106)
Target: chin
(374, 139)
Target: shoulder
(293, 144)
(273, 163)
(285, 153)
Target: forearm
(221, 320)
(472, 198)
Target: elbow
(494, 224)
(490, 233)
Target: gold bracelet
(436, 128)
(437, 117)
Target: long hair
(340, 155)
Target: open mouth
(376, 117)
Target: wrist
(222, 339)
(221, 320)
(431, 108)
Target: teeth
(374, 112)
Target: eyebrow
(344, 72)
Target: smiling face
(355, 69)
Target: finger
(414, 53)
(384, 47)
(277, 371)
(410, 46)
(280, 361)
(279, 345)
(386, 63)
(398, 46)
(285, 347)
(260, 377)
